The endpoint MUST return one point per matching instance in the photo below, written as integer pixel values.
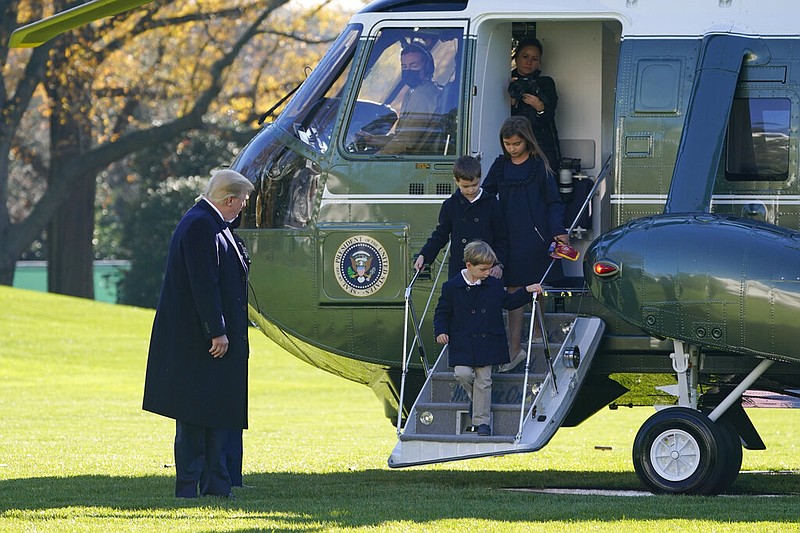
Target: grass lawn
(77, 453)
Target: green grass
(78, 454)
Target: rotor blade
(42, 31)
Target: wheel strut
(736, 393)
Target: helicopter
(678, 132)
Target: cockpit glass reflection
(311, 113)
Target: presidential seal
(361, 265)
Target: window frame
(735, 170)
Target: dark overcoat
(534, 216)
(204, 295)
(472, 317)
(462, 221)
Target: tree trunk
(70, 252)
(68, 77)
(7, 267)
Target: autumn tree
(93, 96)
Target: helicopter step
(527, 408)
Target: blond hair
(479, 253)
(225, 183)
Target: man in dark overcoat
(197, 363)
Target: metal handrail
(527, 369)
(538, 315)
(592, 192)
(406, 353)
(436, 281)
(409, 310)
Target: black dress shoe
(228, 496)
(484, 430)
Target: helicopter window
(311, 113)
(758, 140)
(407, 103)
(658, 89)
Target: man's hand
(219, 346)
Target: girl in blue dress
(534, 215)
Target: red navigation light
(605, 269)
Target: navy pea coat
(534, 215)
(472, 316)
(462, 222)
(204, 295)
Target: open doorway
(581, 56)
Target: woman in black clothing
(534, 96)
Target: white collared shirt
(470, 283)
(477, 196)
(227, 235)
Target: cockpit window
(310, 115)
(758, 140)
(407, 102)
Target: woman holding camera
(534, 96)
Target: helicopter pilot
(415, 130)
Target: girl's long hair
(519, 125)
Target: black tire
(734, 456)
(681, 451)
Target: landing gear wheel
(681, 451)
(734, 456)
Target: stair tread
(457, 438)
(496, 376)
(463, 406)
(436, 429)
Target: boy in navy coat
(469, 214)
(469, 318)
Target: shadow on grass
(374, 497)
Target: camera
(526, 85)
(523, 85)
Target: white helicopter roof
(639, 18)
